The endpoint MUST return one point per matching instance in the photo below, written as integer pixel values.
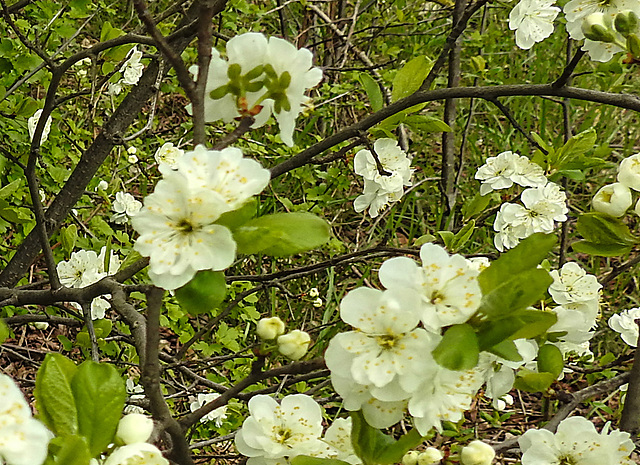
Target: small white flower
(114, 88)
(132, 68)
(410, 458)
(41, 325)
(270, 328)
(168, 154)
(338, 441)
(134, 428)
(533, 21)
(294, 344)
(572, 284)
(102, 185)
(629, 172)
(477, 453)
(125, 206)
(33, 122)
(218, 416)
(317, 302)
(313, 292)
(625, 324)
(275, 431)
(139, 453)
(133, 159)
(613, 199)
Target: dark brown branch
(630, 420)
(237, 133)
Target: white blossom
(23, 439)
(507, 168)
(576, 442)
(132, 68)
(275, 431)
(447, 284)
(533, 21)
(267, 61)
(294, 345)
(613, 199)
(625, 324)
(114, 88)
(577, 324)
(218, 415)
(168, 154)
(572, 284)
(139, 453)
(338, 442)
(375, 198)
(125, 206)
(430, 456)
(33, 122)
(629, 172)
(177, 223)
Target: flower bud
(626, 22)
(313, 292)
(270, 328)
(317, 303)
(633, 45)
(41, 325)
(134, 428)
(477, 453)
(410, 458)
(629, 172)
(613, 199)
(294, 344)
(594, 27)
(430, 456)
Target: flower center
(436, 298)
(185, 226)
(387, 341)
(282, 435)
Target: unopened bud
(134, 428)
(410, 458)
(626, 22)
(270, 328)
(430, 456)
(294, 344)
(313, 292)
(612, 199)
(633, 45)
(595, 27)
(317, 303)
(477, 453)
(41, 325)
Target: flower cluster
(86, 267)
(576, 442)
(131, 72)
(606, 27)
(177, 224)
(125, 206)
(260, 77)
(615, 199)
(507, 168)
(23, 439)
(625, 324)
(168, 154)
(578, 297)
(217, 416)
(375, 367)
(276, 432)
(384, 183)
(541, 208)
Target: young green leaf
(69, 449)
(550, 360)
(410, 77)
(54, 396)
(203, 293)
(458, 350)
(604, 229)
(99, 394)
(530, 381)
(373, 91)
(600, 250)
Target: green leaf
(282, 234)
(458, 350)
(447, 238)
(236, 218)
(68, 450)
(604, 229)
(131, 258)
(525, 323)
(373, 91)
(536, 323)
(577, 146)
(410, 77)
(26, 107)
(550, 360)
(521, 291)
(100, 393)
(506, 349)
(528, 254)
(393, 452)
(600, 250)
(54, 396)
(68, 237)
(203, 293)
(10, 189)
(109, 32)
(4, 331)
(462, 236)
(66, 343)
(476, 205)
(308, 460)
(426, 124)
(530, 381)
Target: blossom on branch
(625, 324)
(533, 21)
